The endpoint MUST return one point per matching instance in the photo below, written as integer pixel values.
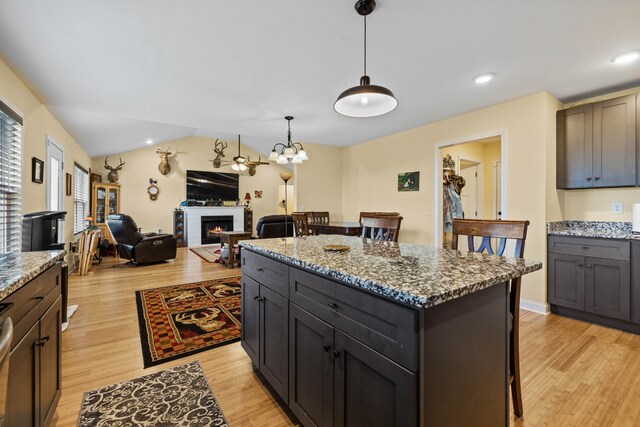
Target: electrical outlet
(616, 207)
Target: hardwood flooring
(573, 373)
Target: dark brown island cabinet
(596, 280)
(596, 144)
(34, 385)
(337, 355)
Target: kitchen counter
(597, 229)
(16, 269)
(412, 274)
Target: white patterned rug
(178, 396)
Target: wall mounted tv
(212, 186)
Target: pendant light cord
(365, 45)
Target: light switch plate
(616, 207)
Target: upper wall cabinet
(596, 144)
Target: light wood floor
(574, 373)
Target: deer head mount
(219, 147)
(252, 165)
(164, 167)
(239, 162)
(113, 172)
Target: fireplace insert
(212, 226)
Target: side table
(231, 238)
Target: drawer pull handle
(597, 178)
(589, 179)
(589, 266)
(333, 305)
(257, 298)
(259, 269)
(336, 355)
(38, 298)
(42, 342)
(580, 265)
(326, 348)
(585, 248)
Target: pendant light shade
(365, 100)
(291, 152)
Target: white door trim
(49, 144)
(437, 177)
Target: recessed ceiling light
(483, 78)
(149, 142)
(625, 58)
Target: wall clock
(153, 189)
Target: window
(10, 180)
(80, 197)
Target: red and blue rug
(177, 321)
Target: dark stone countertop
(418, 275)
(16, 269)
(597, 229)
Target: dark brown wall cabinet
(591, 276)
(34, 386)
(596, 144)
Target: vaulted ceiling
(119, 72)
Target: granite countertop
(599, 229)
(418, 275)
(16, 269)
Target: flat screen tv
(204, 186)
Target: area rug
(70, 310)
(208, 253)
(176, 321)
(178, 396)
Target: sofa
(137, 247)
(274, 226)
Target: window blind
(10, 180)
(80, 197)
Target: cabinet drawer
(272, 274)
(595, 248)
(388, 328)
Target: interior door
(469, 195)
(54, 181)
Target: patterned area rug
(176, 397)
(177, 321)
(207, 253)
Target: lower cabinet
(599, 285)
(265, 333)
(337, 381)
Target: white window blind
(80, 197)
(10, 180)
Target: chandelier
(291, 152)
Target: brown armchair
(137, 247)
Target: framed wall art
(37, 170)
(409, 181)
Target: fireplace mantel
(193, 217)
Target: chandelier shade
(291, 152)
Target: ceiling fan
(239, 163)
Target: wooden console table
(231, 238)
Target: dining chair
(320, 217)
(375, 214)
(300, 223)
(384, 228)
(501, 231)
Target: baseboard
(535, 306)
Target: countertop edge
(398, 296)
(27, 277)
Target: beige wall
(370, 172)
(38, 123)
(318, 181)
(193, 153)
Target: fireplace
(212, 226)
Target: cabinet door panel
(614, 142)
(565, 282)
(310, 368)
(371, 390)
(50, 358)
(608, 288)
(574, 147)
(250, 331)
(23, 382)
(274, 340)
(635, 279)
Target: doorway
(469, 183)
(54, 169)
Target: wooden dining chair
(300, 223)
(320, 217)
(375, 214)
(501, 232)
(384, 228)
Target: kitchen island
(382, 334)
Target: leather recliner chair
(274, 226)
(137, 247)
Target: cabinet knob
(597, 178)
(259, 269)
(589, 266)
(41, 342)
(589, 179)
(586, 248)
(257, 298)
(333, 305)
(336, 355)
(580, 265)
(326, 347)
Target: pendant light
(365, 100)
(292, 152)
(239, 161)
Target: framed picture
(409, 181)
(258, 194)
(37, 170)
(69, 184)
